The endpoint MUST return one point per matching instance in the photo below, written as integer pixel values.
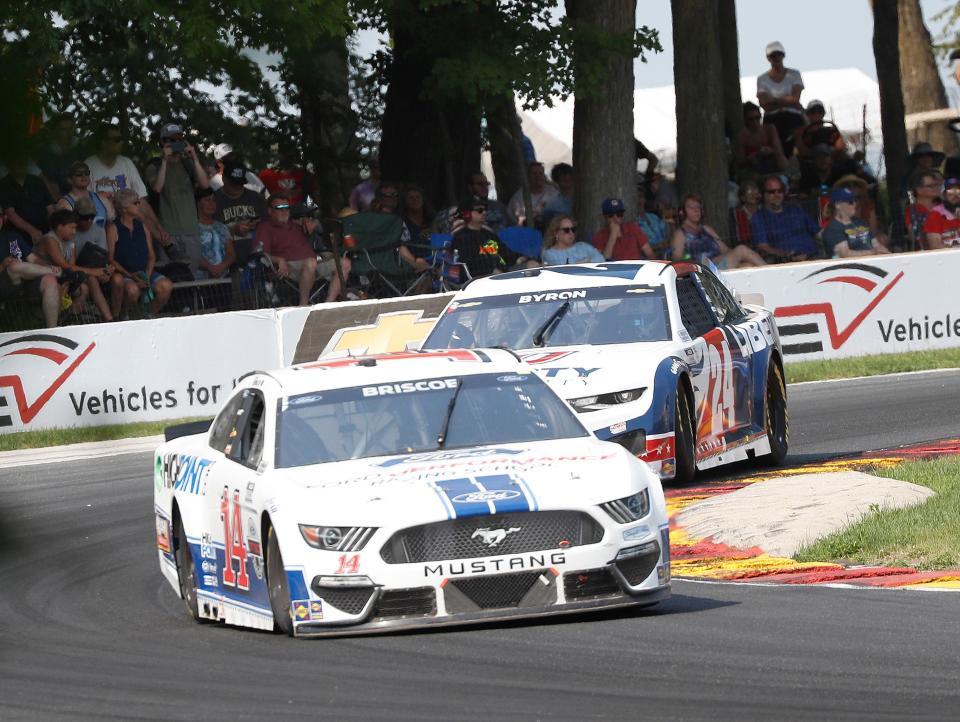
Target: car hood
(574, 371)
(454, 483)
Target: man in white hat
(778, 91)
(222, 154)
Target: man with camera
(173, 179)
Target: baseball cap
(235, 173)
(471, 202)
(775, 47)
(951, 183)
(612, 205)
(843, 195)
(221, 150)
(170, 129)
(814, 104)
(78, 167)
(84, 208)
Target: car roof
(583, 275)
(333, 373)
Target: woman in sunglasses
(694, 239)
(561, 247)
(79, 178)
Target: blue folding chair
(523, 241)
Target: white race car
(658, 357)
(403, 490)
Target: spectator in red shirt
(286, 244)
(942, 227)
(619, 241)
(927, 185)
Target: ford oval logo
(475, 497)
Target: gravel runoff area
(784, 514)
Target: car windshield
(609, 315)
(412, 416)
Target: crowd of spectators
(87, 230)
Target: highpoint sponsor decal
(186, 473)
(500, 564)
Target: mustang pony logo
(492, 537)
(842, 273)
(21, 371)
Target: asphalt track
(90, 630)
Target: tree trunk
(922, 86)
(506, 149)
(327, 122)
(887, 56)
(434, 145)
(698, 80)
(729, 52)
(603, 149)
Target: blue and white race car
(403, 490)
(658, 357)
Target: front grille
(590, 583)
(350, 600)
(638, 567)
(492, 535)
(415, 602)
(497, 592)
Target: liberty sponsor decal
(34, 367)
(499, 564)
(865, 285)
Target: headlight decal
(337, 538)
(629, 508)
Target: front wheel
(277, 585)
(685, 438)
(186, 569)
(775, 413)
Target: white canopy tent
(845, 94)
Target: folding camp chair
(523, 241)
(448, 272)
(373, 240)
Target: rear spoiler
(188, 429)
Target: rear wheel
(186, 569)
(684, 438)
(277, 585)
(775, 413)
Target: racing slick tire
(685, 438)
(277, 586)
(186, 569)
(775, 415)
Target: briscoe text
(410, 387)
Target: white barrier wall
(861, 306)
(119, 373)
(172, 368)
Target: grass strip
(888, 363)
(926, 536)
(56, 437)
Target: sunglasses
(479, 209)
(618, 214)
(773, 191)
(86, 218)
(81, 172)
(567, 229)
(391, 194)
(280, 207)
